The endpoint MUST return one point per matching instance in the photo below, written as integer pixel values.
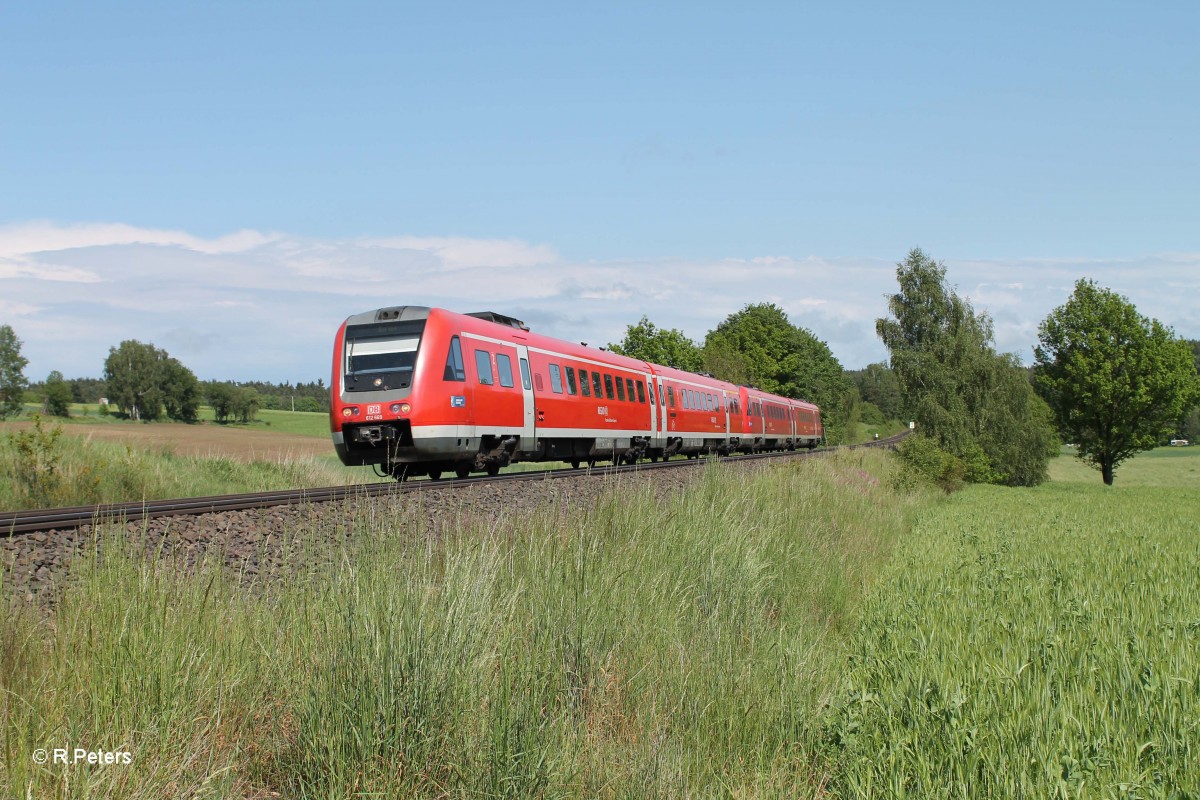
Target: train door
(648, 381)
(529, 424)
(662, 408)
(725, 403)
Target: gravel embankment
(262, 543)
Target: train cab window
(483, 365)
(571, 380)
(504, 367)
(525, 374)
(596, 390)
(584, 389)
(381, 356)
(556, 379)
(641, 392)
(608, 387)
(454, 363)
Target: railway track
(19, 522)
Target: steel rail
(47, 519)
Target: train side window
(608, 390)
(483, 365)
(571, 380)
(671, 396)
(525, 373)
(620, 389)
(686, 396)
(454, 363)
(504, 367)
(583, 383)
(642, 393)
(596, 390)
(556, 379)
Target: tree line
(757, 346)
(1105, 379)
(144, 382)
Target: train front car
(375, 385)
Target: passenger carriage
(419, 390)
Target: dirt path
(203, 439)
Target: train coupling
(373, 434)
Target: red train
(422, 391)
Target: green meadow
(826, 628)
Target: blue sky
(230, 180)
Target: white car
(1179, 443)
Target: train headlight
(401, 408)
(377, 382)
(350, 411)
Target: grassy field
(303, 423)
(1034, 643)
(46, 465)
(1175, 467)
(642, 648)
(815, 631)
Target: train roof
(503, 326)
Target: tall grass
(56, 470)
(1031, 643)
(645, 646)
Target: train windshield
(382, 356)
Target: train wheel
(591, 463)
(399, 472)
(574, 463)
(435, 474)
(462, 471)
(493, 470)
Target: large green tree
(671, 348)
(974, 402)
(759, 346)
(142, 380)
(1116, 381)
(13, 382)
(58, 395)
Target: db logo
(376, 409)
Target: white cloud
(36, 237)
(460, 252)
(265, 305)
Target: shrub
(924, 460)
